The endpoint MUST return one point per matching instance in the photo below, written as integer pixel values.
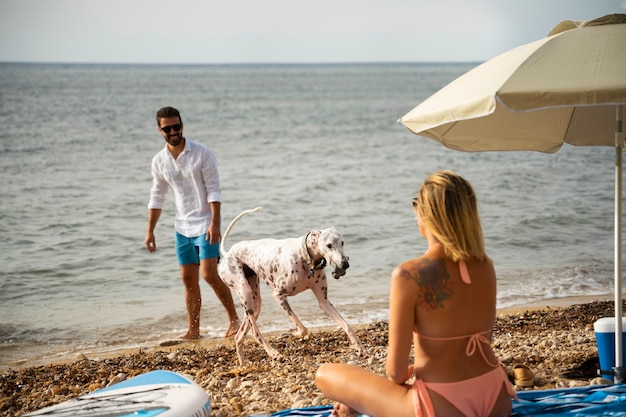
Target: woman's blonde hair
(446, 205)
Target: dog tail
(230, 226)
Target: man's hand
(150, 242)
(213, 235)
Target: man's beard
(174, 140)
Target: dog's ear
(315, 234)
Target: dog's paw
(299, 332)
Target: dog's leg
(255, 288)
(249, 324)
(271, 352)
(240, 337)
(328, 308)
(250, 296)
(300, 329)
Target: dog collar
(313, 265)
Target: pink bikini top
(475, 340)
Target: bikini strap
(479, 340)
(474, 341)
(420, 392)
(464, 272)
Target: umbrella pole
(619, 148)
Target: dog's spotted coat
(288, 267)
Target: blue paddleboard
(156, 393)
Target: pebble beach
(550, 340)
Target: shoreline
(554, 303)
(212, 342)
(206, 342)
(550, 337)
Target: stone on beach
(548, 340)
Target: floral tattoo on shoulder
(434, 284)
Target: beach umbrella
(569, 87)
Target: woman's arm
(402, 299)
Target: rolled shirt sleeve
(211, 178)
(158, 192)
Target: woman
(443, 304)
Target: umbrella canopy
(569, 87)
(562, 88)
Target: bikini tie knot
(478, 340)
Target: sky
(279, 31)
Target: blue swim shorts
(189, 250)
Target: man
(190, 169)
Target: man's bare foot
(232, 328)
(190, 336)
(342, 410)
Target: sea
(314, 145)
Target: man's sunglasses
(167, 129)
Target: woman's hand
(410, 373)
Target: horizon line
(286, 63)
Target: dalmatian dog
(288, 267)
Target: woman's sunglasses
(167, 129)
